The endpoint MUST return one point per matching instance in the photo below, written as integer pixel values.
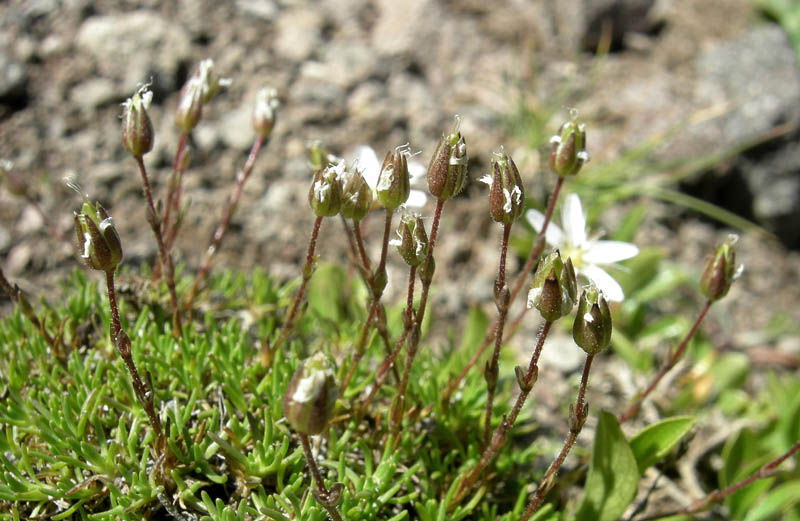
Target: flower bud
(210, 82)
(264, 111)
(137, 129)
(720, 270)
(412, 241)
(318, 156)
(190, 105)
(311, 395)
(427, 269)
(325, 196)
(356, 195)
(555, 288)
(447, 171)
(567, 148)
(506, 195)
(97, 240)
(592, 327)
(394, 183)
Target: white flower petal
(368, 163)
(417, 172)
(604, 282)
(573, 220)
(554, 236)
(416, 199)
(607, 252)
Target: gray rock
(756, 77)
(298, 34)
(13, 80)
(134, 47)
(261, 9)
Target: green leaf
(655, 441)
(782, 498)
(325, 292)
(613, 475)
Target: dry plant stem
(705, 502)
(174, 186)
(122, 343)
(387, 230)
(502, 311)
(633, 408)
(388, 362)
(536, 250)
(332, 510)
(501, 431)
(225, 221)
(423, 299)
(164, 256)
(547, 480)
(307, 271)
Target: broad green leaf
(655, 441)
(613, 475)
(782, 498)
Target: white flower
(367, 161)
(588, 254)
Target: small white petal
(367, 163)
(533, 294)
(555, 139)
(417, 171)
(554, 236)
(588, 318)
(606, 252)
(738, 272)
(604, 282)
(507, 201)
(573, 220)
(416, 199)
(486, 179)
(395, 242)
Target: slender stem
(388, 362)
(423, 299)
(501, 431)
(173, 187)
(387, 230)
(633, 408)
(575, 428)
(325, 493)
(360, 244)
(225, 221)
(360, 346)
(144, 394)
(164, 257)
(307, 271)
(536, 250)
(492, 369)
(698, 505)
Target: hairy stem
(500, 434)
(164, 257)
(307, 270)
(536, 250)
(633, 408)
(225, 221)
(576, 425)
(174, 185)
(333, 512)
(492, 369)
(698, 505)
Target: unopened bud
(720, 270)
(568, 148)
(325, 195)
(190, 105)
(97, 240)
(394, 183)
(412, 241)
(555, 288)
(427, 271)
(137, 129)
(592, 327)
(356, 195)
(447, 171)
(264, 111)
(379, 282)
(506, 194)
(311, 395)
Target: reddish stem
(633, 408)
